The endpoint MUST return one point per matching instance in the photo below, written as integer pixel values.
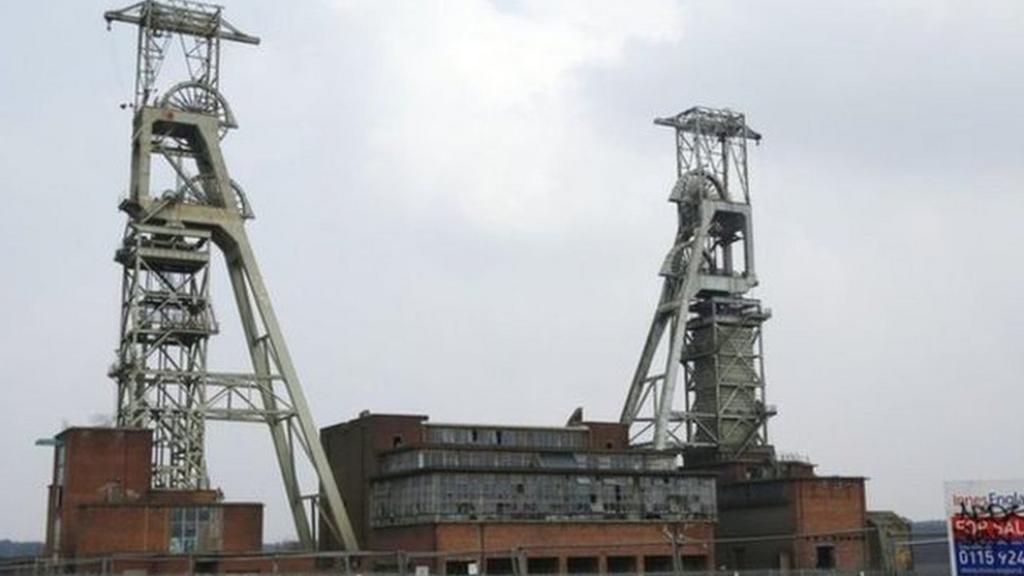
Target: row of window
(455, 496)
(523, 438)
(436, 458)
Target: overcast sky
(461, 212)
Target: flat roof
(575, 428)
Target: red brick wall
(143, 528)
(110, 530)
(815, 510)
(591, 539)
(420, 538)
(97, 459)
(352, 449)
(543, 540)
(243, 528)
(107, 506)
(182, 497)
(835, 509)
(385, 428)
(608, 435)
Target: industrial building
(686, 480)
(102, 504)
(515, 499)
(825, 515)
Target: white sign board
(986, 527)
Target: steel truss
(703, 322)
(166, 321)
(166, 316)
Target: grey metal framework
(166, 322)
(704, 322)
(178, 207)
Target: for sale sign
(986, 527)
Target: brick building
(799, 523)
(101, 505)
(459, 498)
(778, 514)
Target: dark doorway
(826, 557)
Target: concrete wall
(748, 512)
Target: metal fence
(30, 568)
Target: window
(694, 563)
(826, 557)
(459, 567)
(499, 566)
(582, 565)
(56, 534)
(546, 565)
(61, 461)
(194, 530)
(621, 564)
(658, 565)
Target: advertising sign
(986, 527)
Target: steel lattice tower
(704, 322)
(181, 202)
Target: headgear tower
(705, 324)
(182, 201)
